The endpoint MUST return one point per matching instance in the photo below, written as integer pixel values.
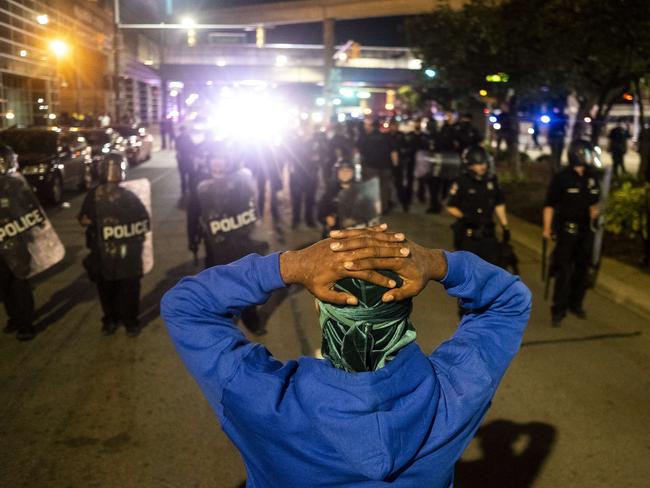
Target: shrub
(627, 212)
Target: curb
(617, 281)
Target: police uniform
(414, 142)
(476, 199)
(305, 158)
(28, 245)
(572, 195)
(222, 214)
(116, 244)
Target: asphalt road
(82, 410)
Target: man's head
(344, 172)
(582, 154)
(365, 337)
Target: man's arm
(200, 315)
(547, 218)
(502, 216)
(489, 335)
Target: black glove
(194, 247)
(506, 235)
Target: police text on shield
(125, 231)
(22, 224)
(233, 223)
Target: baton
(196, 258)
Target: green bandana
(366, 336)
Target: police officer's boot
(26, 333)
(10, 328)
(578, 312)
(109, 328)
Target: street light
(430, 73)
(59, 48)
(43, 19)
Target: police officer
(339, 148)
(116, 223)
(414, 141)
(185, 153)
(465, 134)
(570, 207)
(304, 155)
(378, 158)
(15, 292)
(222, 214)
(474, 199)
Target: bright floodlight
(544, 119)
(497, 126)
(10, 115)
(59, 48)
(23, 53)
(281, 60)
(363, 94)
(187, 22)
(492, 118)
(320, 101)
(531, 131)
(430, 73)
(42, 19)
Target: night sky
(387, 31)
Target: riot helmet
(582, 153)
(476, 159)
(218, 157)
(112, 168)
(8, 160)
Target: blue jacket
(304, 423)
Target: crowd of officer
(225, 185)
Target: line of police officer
(222, 212)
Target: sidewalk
(621, 283)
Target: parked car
(102, 143)
(138, 143)
(51, 159)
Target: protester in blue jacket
(377, 410)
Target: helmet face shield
(8, 160)
(583, 153)
(112, 169)
(476, 159)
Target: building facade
(57, 59)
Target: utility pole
(116, 59)
(328, 48)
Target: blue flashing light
(492, 119)
(545, 119)
(430, 73)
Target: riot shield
(125, 238)
(599, 227)
(28, 242)
(359, 205)
(228, 216)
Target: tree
(594, 48)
